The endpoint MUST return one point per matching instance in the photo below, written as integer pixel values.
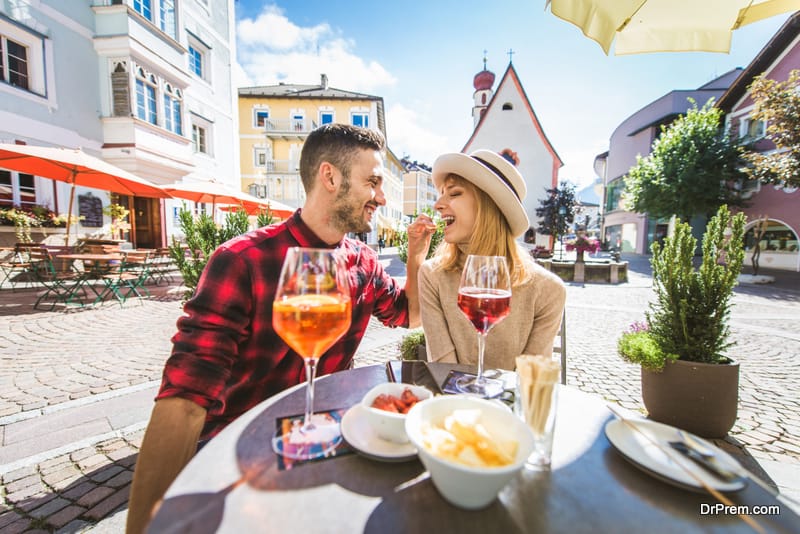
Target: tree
(552, 222)
(692, 169)
(778, 105)
(202, 236)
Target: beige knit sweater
(530, 328)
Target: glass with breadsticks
(536, 401)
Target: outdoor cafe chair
(127, 278)
(161, 266)
(561, 347)
(16, 265)
(61, 282)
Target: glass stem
(311, 369)
(481, 348)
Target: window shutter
(120, 93)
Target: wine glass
(311, 311)
(484, 296)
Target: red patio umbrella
(76, 168)
(277, 208)
(213, 192)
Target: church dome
(483, 80)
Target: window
(172, 110)
(144, 8)
(199, 139)
(17, 189)
(13, 62)
(326, 117)
(614, 195)
(360, 119)
(751, 129)
(167, 19)
(260, 118)
(298, 122)
(260, 157)
(22, 58)
(146, 96)
(195, 61)
(165, 10)
(507, 106)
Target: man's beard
(348, 215)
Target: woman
(481, 204)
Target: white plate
(360, 435)
(649, 457)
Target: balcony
(282, 166)
(288, 129)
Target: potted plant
(582, 244)
(688, 379)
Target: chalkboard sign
(91, 209)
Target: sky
(420, 56)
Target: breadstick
(538, 376)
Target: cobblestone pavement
(47, 359)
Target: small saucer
(360, 435)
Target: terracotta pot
(699, 397)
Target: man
(226, 357)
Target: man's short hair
(336, 144)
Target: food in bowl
(389, 425)
(462, 438)
(400, 404)
(470, 486)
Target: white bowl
(390, 425)
(465, 486)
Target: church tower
(482, 82)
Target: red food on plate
(400, 404)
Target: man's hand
(419, 238)
(419, 241)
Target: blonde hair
(491, 236)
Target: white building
(506, 123)
(144, 84)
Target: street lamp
(562, 212)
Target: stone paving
(51, 359)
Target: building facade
(622, 229)
(274, 122)
(780, 245)
(419, 193)
(144, 84)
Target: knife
(705, 462)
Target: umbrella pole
(69, 212)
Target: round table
(234, 484)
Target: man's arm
(169, 443)
(419, 241)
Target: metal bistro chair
(561, 347)
(60, 280)
(128, 278)
(17, 265)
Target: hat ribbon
(498, 173)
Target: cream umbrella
(641, 26)
(76, 168)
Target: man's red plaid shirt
(227, 358)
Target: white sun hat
(494, 175)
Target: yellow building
(419, 194)
(274, 121)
